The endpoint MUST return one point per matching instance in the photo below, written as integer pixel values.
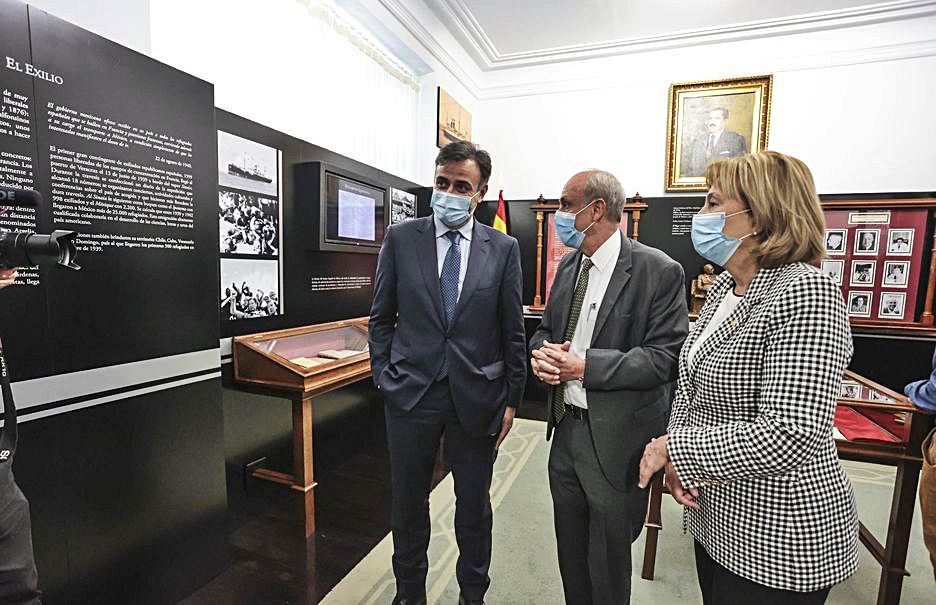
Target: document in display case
(299, 364)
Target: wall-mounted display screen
(354, 212)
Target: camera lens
(24, 249)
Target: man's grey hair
(604, 185)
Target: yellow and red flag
(500, 217)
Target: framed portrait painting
(714, 120)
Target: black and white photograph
(862, 272)
(850, 390)
(859, 304)
(835, 241)
(895, 274)
(402, 206)
(900, 242)
(866, 241)
(892, 305)
(249, 288)
(245, 164)
(875, 396)
(248, 224)
(833, 269)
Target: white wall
(854, 104)
(123, 21)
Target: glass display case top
(317, 348)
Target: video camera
(27, 249)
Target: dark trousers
(414, 442)
(595, 523)
(722, 587)
(19, 583)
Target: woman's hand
(655, 457)
(683, 496)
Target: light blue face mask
(709, 239)
(452, 209)
(565, 227)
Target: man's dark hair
(724, 112)
(466, 150)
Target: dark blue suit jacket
(485, 345)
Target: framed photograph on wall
(866, 241)
(713, 120)
(862, 273)
(833, 269)
(859, 304)
(895, 274)
(900, 242)
(892, 305)
(454, 121)
(850, 390)
(835, 241)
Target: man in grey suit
(607, 347)
(448, 353)
(717, 143)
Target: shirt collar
(441, 229)
(607, 253)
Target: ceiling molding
(470, 32)
(409, 21)
(875, 54)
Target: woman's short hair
(785, 208)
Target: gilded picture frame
(714, 119)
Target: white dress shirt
(599, 276)
(443, 244)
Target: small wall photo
(862, 273)
(892, 305)
(859, 304)
(899, 242)
(866, 242)
(833, 270)
(895, 274)
(836, 240)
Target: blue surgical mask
(565, 227)
(709, 239)
(452, 209)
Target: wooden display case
(299, 364)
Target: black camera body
(27, 249)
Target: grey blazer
(485, 345)
(631, 364)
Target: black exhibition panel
(318, 286)
(24, 319)
(127, 145)
(666, 224)
(127, 488)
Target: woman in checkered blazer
(750, 451)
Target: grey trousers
(595, 523)
(19, 582)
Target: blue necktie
(448, 284)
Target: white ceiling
(506, 33)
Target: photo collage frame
(875, 256)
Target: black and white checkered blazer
(751, 427)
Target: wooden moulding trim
(875, 453)
(887, 328)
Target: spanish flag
(500, 217)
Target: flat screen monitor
(354, 212)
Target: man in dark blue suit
(447, 350)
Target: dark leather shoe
(420, 600)
(463, 601)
